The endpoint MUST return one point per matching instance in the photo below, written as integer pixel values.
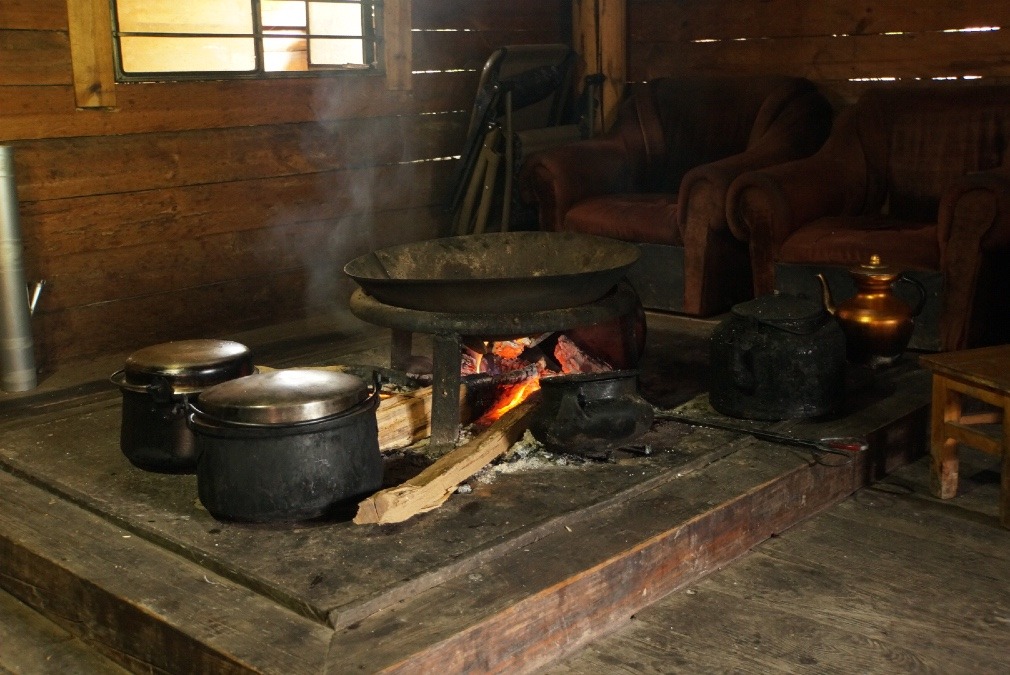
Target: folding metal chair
(523, 103)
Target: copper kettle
(876, 323)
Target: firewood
(404, 419)
(574, 359)
(433, 486)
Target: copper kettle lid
(875, 269)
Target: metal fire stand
(449, 328)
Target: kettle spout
(829, 303)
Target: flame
(516, 395)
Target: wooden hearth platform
(530, 564)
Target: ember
(519, 364)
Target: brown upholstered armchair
(918, 176)
(659, 178)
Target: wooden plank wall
(194, 209)
(841, 45)
(201, 208)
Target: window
(168, 39)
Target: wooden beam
(600, 38)
(397, 44)
(90, 25)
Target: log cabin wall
(841, 45)
(195, 209)
(200, 208)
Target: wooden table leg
(943, 449)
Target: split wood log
(404, 419)
(429, 489)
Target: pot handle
(376, 387)
(922, 293)
(160, 390)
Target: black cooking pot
(590, 413)
(286, 445)
(777, 357)
(156, 383)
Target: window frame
(373, 37)
(89, 32)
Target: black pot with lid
(286, 445)
(777, 357)
(157, 383)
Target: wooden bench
(982, 374)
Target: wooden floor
(871, 585)
(888, 581)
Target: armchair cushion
(642, 217)
(844, 240)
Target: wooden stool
(982, 374)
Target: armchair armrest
(557, 179)
(982, 199)
(764, 207)
(974, 217)
(773, 202)
(711, 182)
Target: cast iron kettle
(157, 382)
(777, 357)
(590, 413)
(877, 324)
(286, 445)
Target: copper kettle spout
(829, 303)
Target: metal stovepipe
(17, 351)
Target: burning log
(513, 349)
(574, 360)
(433, 486)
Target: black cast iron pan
(499, 272)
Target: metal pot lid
(787, 312)
(876, 269)
(187, 366)
(284, 396)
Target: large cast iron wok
(501, 272)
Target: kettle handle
(922, 293)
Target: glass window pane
(284, 54)
(283, 13)
(194, 16)
(334, 18)
(332, 52)
(186, 54)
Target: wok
(500, 272)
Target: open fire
(515, 367)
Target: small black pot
(590, 413)
(288, 464)
(157, 383)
